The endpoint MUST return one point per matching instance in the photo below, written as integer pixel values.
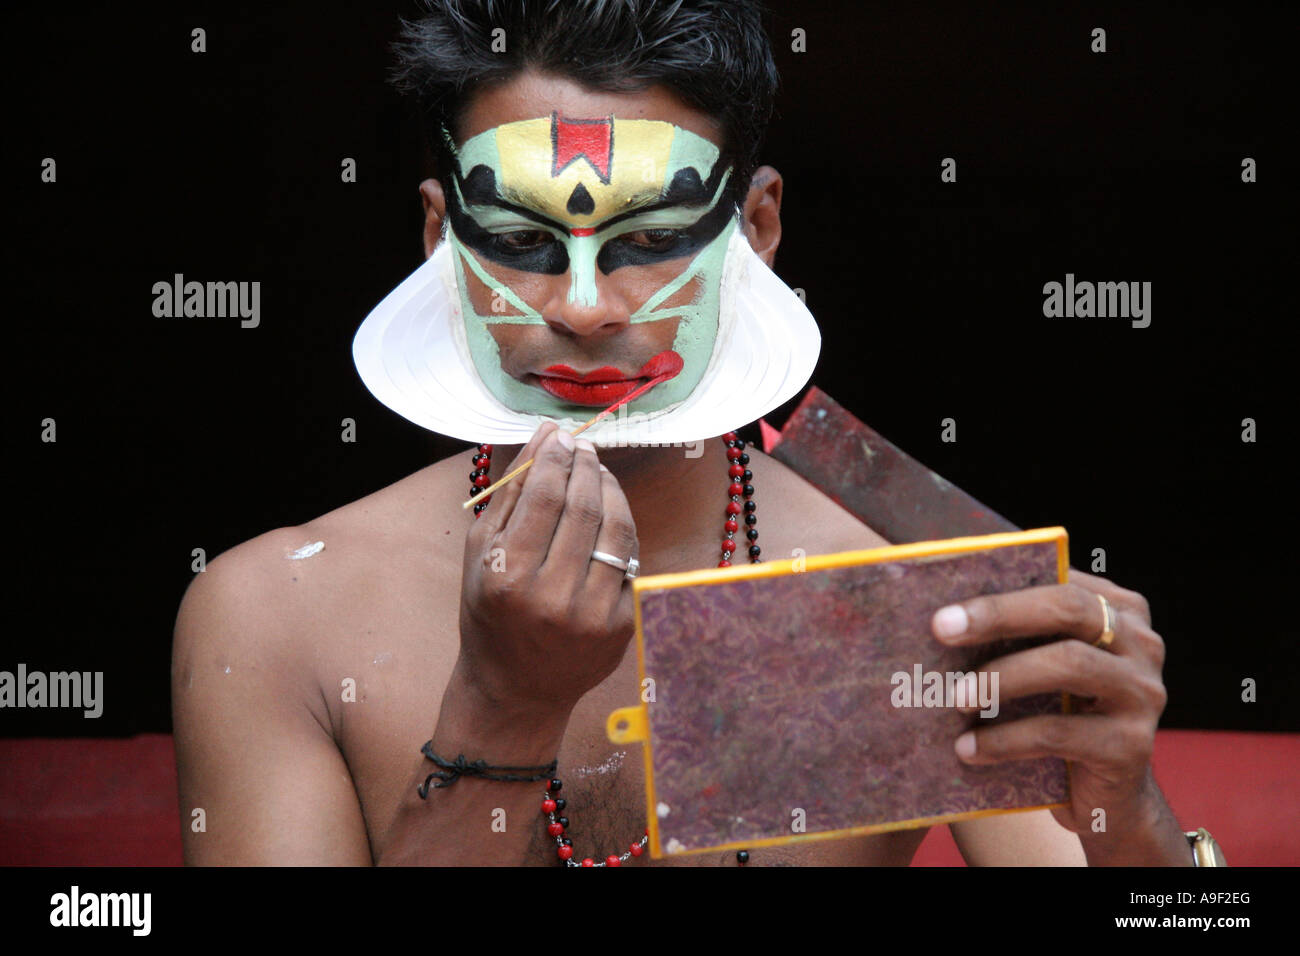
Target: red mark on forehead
(589, 139)
(585, 231)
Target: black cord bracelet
(453, 770)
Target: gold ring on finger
(1108, 625)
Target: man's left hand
(1117, 694)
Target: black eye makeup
(523, 240)
(654, 239)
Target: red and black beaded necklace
(740, 501)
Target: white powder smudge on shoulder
(306, 551)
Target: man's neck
(677, 497)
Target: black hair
(714, 54)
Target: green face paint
(561, 181)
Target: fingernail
(564, 438)
(586, 445)
(950, 621)
(965, 745)
(604, 469)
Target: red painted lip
(666, 361)
(605, 385)
(605, 373)
(595, 394)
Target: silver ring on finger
(630, 567)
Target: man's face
(589, 232)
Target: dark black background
(178, 434)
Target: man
(520, 665)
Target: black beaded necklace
(740, 501)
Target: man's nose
(603, 318)
(596, 309)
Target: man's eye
(655, 238)
(524, 240)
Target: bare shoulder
(239, 599)
(254, 737)
(261, 633)
(244, 620)
(801, 512)
(279, 600)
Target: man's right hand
(540, 621)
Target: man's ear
(435, 213)
(762, 213)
